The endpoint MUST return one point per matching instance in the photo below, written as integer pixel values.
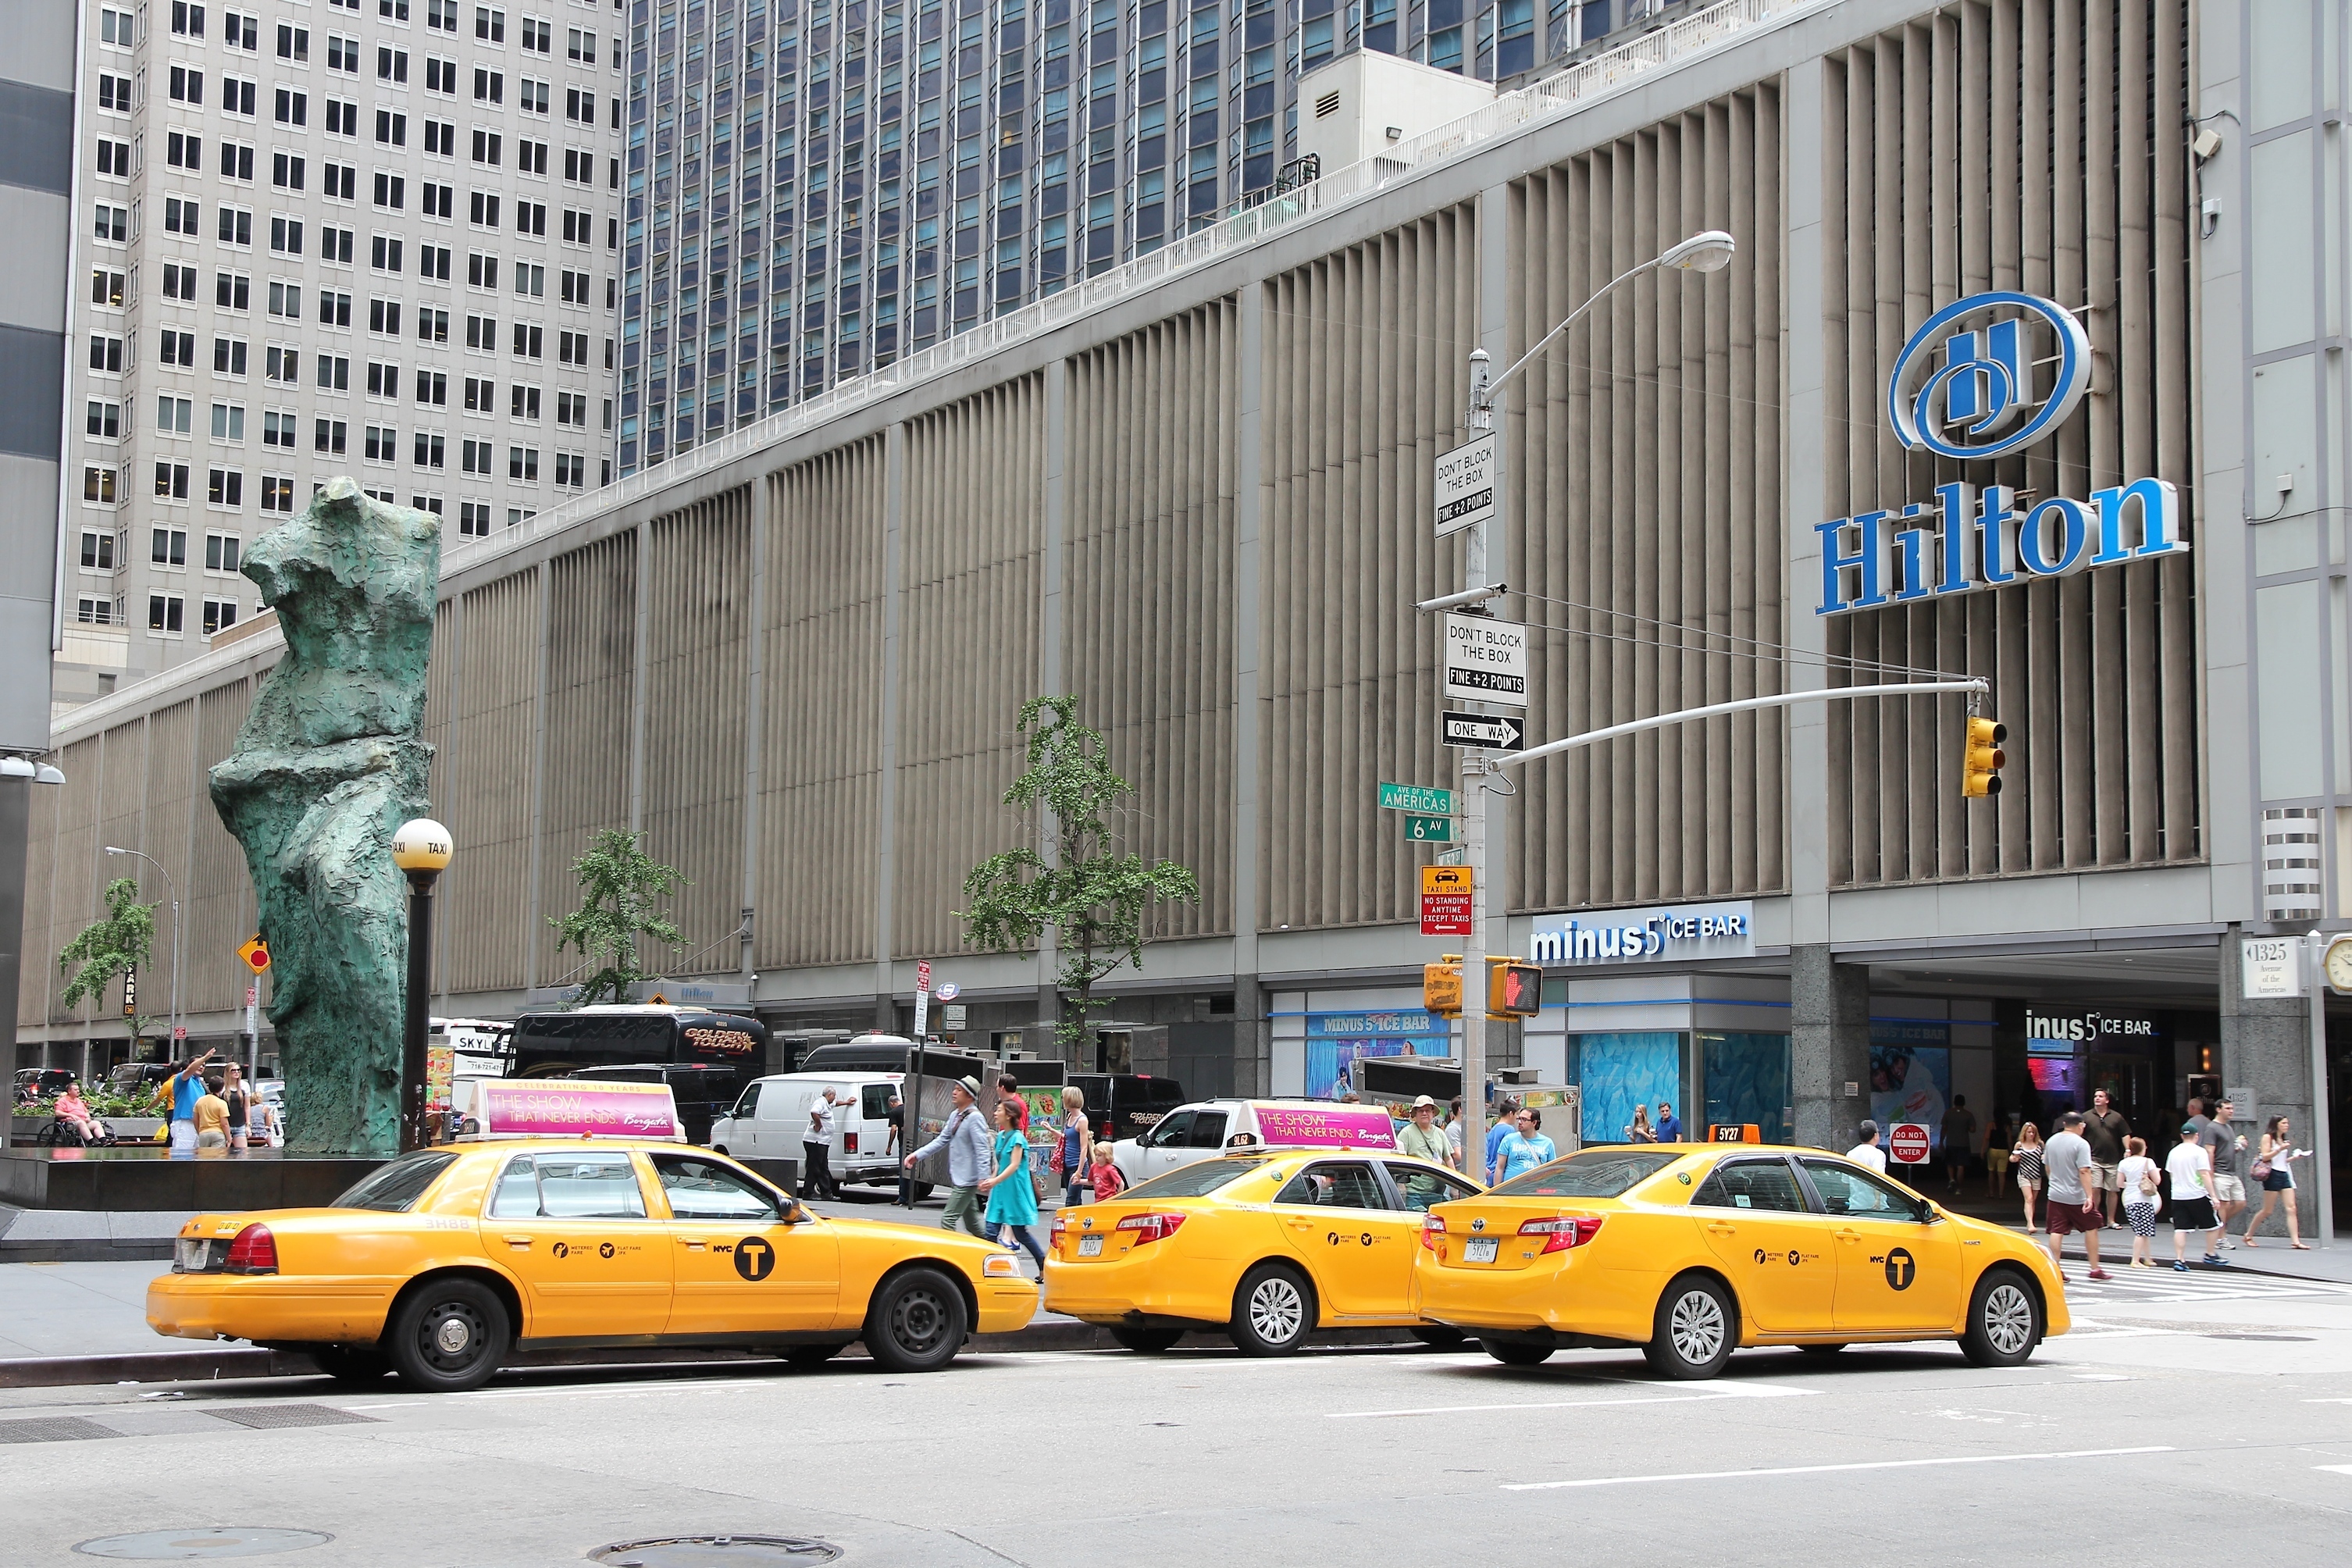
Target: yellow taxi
(1266, 1245)
(1692, 1250)
(441, 1261)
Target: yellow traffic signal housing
(1514, 989)
(1982, 758)
(1441, 986)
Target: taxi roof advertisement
(543, 1108)
(1321, 1127)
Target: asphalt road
(2220, 1404)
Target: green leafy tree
(1090, 896)
(111, 947)
(620, 887)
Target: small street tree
(620, 887)
(1091, 896)
(106, 948)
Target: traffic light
(1982, 758)
(1514, 989)
(1441, 986)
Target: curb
(237, 1361)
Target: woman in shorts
(2025, 1158)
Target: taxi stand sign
(558, 1108)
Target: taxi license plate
(1481, 1248)
(192, 1256)
(1090, 1247)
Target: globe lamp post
(421, 848)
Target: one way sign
(1491, 731)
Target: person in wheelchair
(75, 1122)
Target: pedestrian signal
(1441, 987)
(1982, 758)
(1515, 989)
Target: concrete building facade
(1195, 492)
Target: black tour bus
(705, 1058)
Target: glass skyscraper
(814, 188)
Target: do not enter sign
(1907, 1144)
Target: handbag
(2147, 1186)
(2262, 1170)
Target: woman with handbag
(2141, 1185)
(2270, 1172)
(1071, 1155)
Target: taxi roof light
(1564, 1231)
(1151, 1227)
(255, 1251)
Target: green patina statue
(330, 763)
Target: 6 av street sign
(1429, 830)
(1494, 732)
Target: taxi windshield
(1195, 1180)
(1594, 1173)
(394, 1188)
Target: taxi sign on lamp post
(255, 954)
(1907, 1144)
(1446, 900)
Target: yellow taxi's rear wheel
(918, 1321)
(1273, 1310)
(1694, 1329)
(347, 1364)
(448, 1335)
(2004, 1319)
(1147, 1341)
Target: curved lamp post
(1710, 251)
(172, 1047)
(421, 848)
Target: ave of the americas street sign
(1986, 376)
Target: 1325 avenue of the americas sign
(1983, 377)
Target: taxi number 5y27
(1481, 1248)
(1090, 1247)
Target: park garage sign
(1982, 378)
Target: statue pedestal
(150, 1177)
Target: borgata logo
(1991, 392)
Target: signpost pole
(2322, 1169)
(1474, 835)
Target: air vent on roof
(1327, 106)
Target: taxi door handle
(1719, 1228)
(1851, 1238)
(1302, 1224)
(519, 1243)
(689, 1241)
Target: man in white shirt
(816, 1146)
(1868, 1152)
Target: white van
(772, 1117)
(1206, 1128)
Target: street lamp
(421, 848)
(172, 1051)
(1708, 251)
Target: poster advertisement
(1909, 1083)
(440, 1068)
(1334, 1040)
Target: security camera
(2208, 143)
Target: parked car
(40, 1083)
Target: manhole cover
(2272, 1339)
(53, 1429)
(190, 1545)
(716, 1551)
(265, 1416)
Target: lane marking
(1829, 1469)
(2335, 1469)
(1761, 1391)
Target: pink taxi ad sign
(553, 1107)
(1321, 1127)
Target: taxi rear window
(1194, 1180)
(1594, 1173)
(394, 1188)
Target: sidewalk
(2273, 1257)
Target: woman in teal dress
(1011, 1196)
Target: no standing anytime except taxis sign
(1446, 900)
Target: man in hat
(1424, 1140)
(965, 1139)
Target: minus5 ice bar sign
(1960, 541)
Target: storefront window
(1620, 1071)
(1747, 1081)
